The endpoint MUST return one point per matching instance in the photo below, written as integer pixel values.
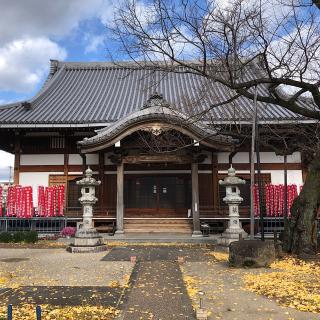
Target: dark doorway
(158, 195)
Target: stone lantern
(233, 199)
(87, 239)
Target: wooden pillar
(101, 178)
(215, 182)
(84, 163)
(66, 169)
(120, 199)
(195, 200)
(17, 152)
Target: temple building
(148, 137)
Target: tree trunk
(300, 234)
(317, 3)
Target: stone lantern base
(231, 235)
(87, 240)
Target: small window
(57, 142)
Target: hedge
(16, 237)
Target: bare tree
(219, 42)
(272, 46)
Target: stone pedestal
(233, 199)
(196, 234)
(251, 253)
(87, 238)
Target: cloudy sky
(34, 31)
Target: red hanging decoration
(1, 214)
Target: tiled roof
(95, 93)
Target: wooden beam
(215, 180)
(17, 153)
(101, 178)
(221, 166)
(120, 205)
(263, 166)
(173, 158)
(66, 164)
(195, 200)
(66, 169)
(84, 163)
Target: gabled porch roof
(157, 116)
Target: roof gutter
(105, 124)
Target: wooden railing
(98, 212)
(222, 212)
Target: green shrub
(31, 237)
(5, 237)
(18, 237)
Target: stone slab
(155, 253)
(87, 249)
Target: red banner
(19, 202)
(274, 199)
(1, 202)
(51, 201)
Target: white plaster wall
(35, 179)
(277, 176)
(42, 159)
(223, 157)
(75, 159)
(294, 177)
(265, 157)
(271, 157)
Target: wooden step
(146, 220)
(158, 231)
(158, 225)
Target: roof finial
(156, 100)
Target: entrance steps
(158, 225)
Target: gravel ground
(56, 267)
(63, 296)
(225, 299)
(57, 277)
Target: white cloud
(23, 63)
(29, 30)
(6, 160)
(94, 42)
(34, 18)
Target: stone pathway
(157, 292)
(157, 253)
(157, 289)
